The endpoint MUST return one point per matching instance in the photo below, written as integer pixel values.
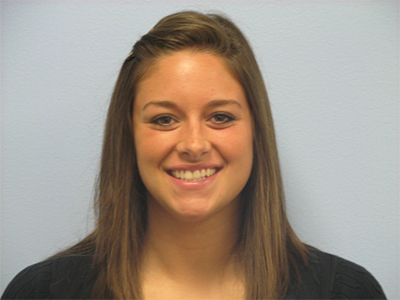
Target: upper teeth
(193, 176)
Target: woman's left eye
(222, 118)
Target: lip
(193, 185)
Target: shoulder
(63, 277)
(347, 278)
(332, 277)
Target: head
(211, 34)
(121, 200)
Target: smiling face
(193, 136)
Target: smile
(190, 176)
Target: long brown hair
(267, 244)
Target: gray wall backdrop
(332, 71)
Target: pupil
(164, 120)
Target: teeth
(188, 175)
(193, 176)
(196, 174)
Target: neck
(191, 249)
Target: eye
(163, 121)
(222, 118)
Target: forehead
(183, 61)
(189, 71)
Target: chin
(202, 211)
(193, 214)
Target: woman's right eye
(163, 121)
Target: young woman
(190, 200)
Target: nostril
(193, 147)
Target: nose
(194, 143)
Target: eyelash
(227, 119)
(157, 120)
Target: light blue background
(332, 71)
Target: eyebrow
(163, 103)
(213, 103)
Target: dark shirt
(72, 277)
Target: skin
(190, 113)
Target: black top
(71, 277)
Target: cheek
(151, 147)
(238, 146)
(147, 158)
(144, 152)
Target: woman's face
(193, 136)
